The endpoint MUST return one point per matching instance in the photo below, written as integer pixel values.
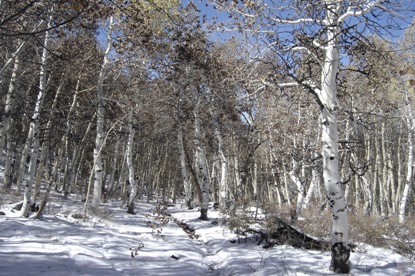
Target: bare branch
(358, 11)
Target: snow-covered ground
(60, 244)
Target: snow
(60, 244)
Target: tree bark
(33, 138)
(410, 122)
(40, 170)
(115, 166)
(299, 184)
(130, 165)
(384, 184)
(7, 125)
(314, 183)
(334, 187)
(22, 45)
(182, 159)
(68, 182)
(96, 199)
(222, 159)
(201, 171)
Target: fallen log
(282, 233)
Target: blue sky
(207, 8)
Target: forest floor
(154, 242)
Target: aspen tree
(7, 124)
(33, 139)
(131, 173)
(182, 159)
(288, 30)
(98, 168)
(223, 172)
(408, 87)
(409, 80)
(200, 156)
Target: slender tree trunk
(130, 165)
(391, 181)
(33, 138)
(299, 184)
(376, 181)
(163, 182)
(7, 126)
(276, 187)
(368, 204)
(121, 178)
(214, 178)
(182, 159)
(40, 169)
(383, 188)
(286, 185)
(90, 180)
(98, 169)
(201, 171)
(410, 120)
(13, 57)
(78, 156)
(6, 118)
(49, 179)
(16, 53)
(114, 166)
(314, 183)
(238, 179)
(255, 184)
(69, 162)
(223, 181)
(276, 178)
(192, 174)
(399, 169)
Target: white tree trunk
(130, 165)
(89, 187)
(408, 182)
(286, 186)
(201, 171)
(332, 181)
(21, 46)
(223, 182)
(183, 166)
(384, 184)
(238, 179)
(115, 165)
(399, 170)
(299, 184)
(33, 138)
(40, 169)
(68, 184)
(121, 177)
(7, 126)
(391, 182)
(314, 183)
(376, 182)
(410, 122)
(96, 199)
(220, 150)
(42, 205)
(276, 188)
(272, 161)
(5, 122)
